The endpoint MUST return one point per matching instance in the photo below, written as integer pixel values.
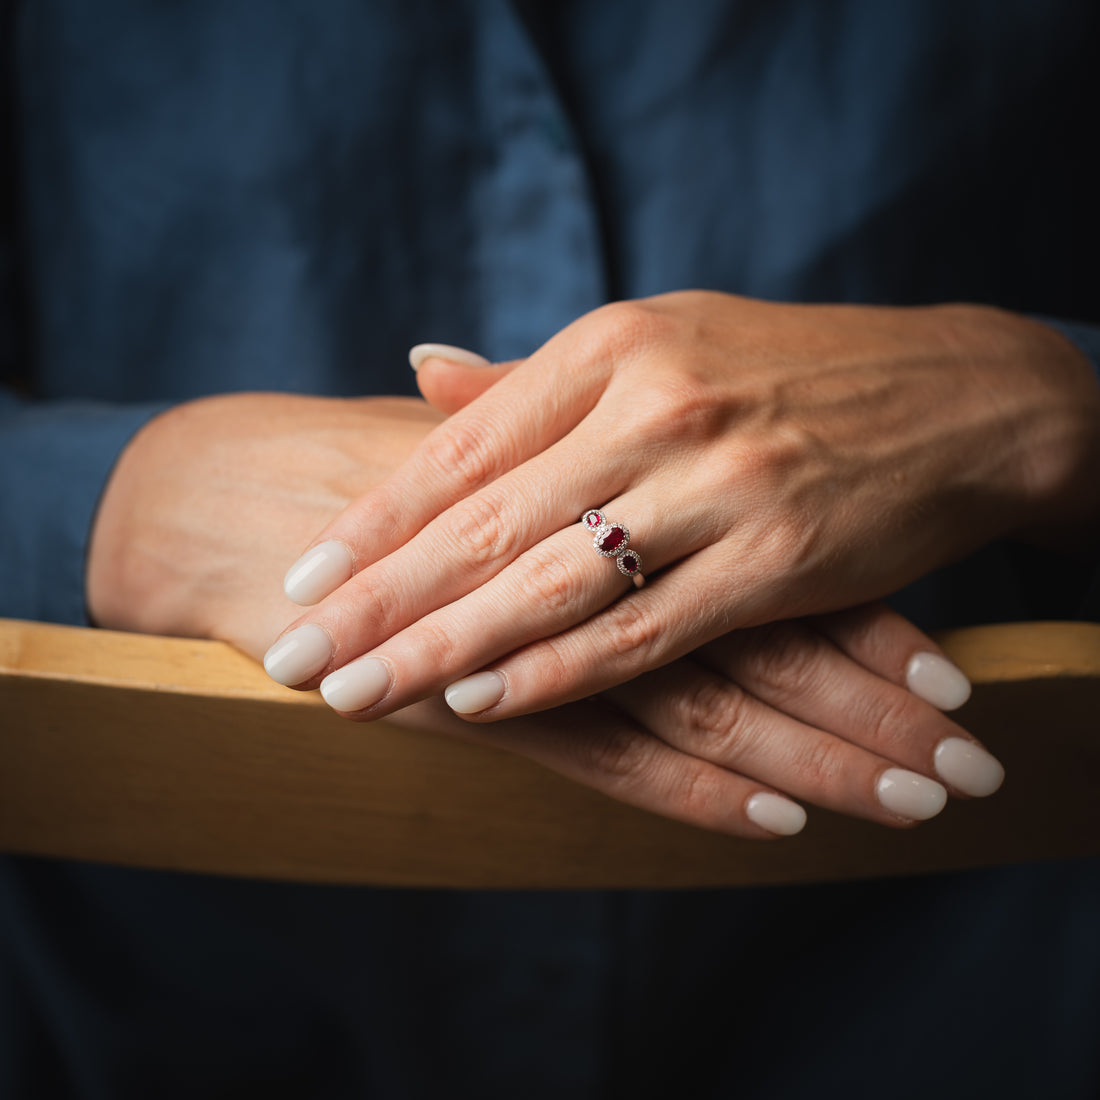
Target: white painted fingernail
(775, 813)
(318, 572)
(359, 684)
(297, 656)
(968, 767)
(420, 352)
(937, 681)
(909, 795)
(475, 693)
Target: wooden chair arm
(182, 754)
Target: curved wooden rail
(181, 754)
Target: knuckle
(764, 458)
(679, 409)
(554, 582)
(355, 623)
(436, 647)
(819, 762)
(784, 661)
(463, 454)
(557, 662)
(619, 755)
(633, 631)
(380, 510)
(698, 795)
(717, 714)
(479, 527)
(623, 327)
(891, 721)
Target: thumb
(450, 378)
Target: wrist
(1046, 392)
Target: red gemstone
(594, 519)
(630, 563)
(614, 538)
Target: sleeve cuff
(55, 460)
(1086, 338)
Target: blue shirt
(222, 196)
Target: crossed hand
(778, 469)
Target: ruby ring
(610, 541)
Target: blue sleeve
(55, 456)
(1085, 337)
(55, 459)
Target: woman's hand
(208, 500)
(770, 462)
(211, 498)
(839, 711)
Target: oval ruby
(630, 563)
(614, 538)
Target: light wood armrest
(181, 754)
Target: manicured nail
(418, 354)
(909, 795)
(475, 693)
(968, 767)
(297, 656)
(358, 685)
(318, 572)
(937, 681)
(776, 814)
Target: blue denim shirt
(228, 195)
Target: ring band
(610, 540)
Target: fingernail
(297, 656)
(776, 814)
(968, 767)
(356, 686)
(420, 352)
(909, 795)
(475, 693)
(937, 681)
(318, 572)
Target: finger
(887, 643)
(797, 670)
(596, 744)
(529, 409)
(672, 615)
(710, 717)
(549, 589)
(450, 378)
(472, 587)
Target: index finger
(524, 413)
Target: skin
(211, 499)
(772, 461)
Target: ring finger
(550, 588)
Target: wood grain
(182, 754)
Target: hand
(210, 500)
(206, 503)
(815, 710)
(771, 461)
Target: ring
(610, 541)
